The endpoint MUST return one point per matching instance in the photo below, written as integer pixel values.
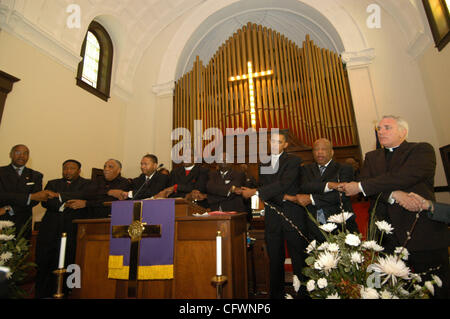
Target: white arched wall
(357, 55)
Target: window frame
(104, 64)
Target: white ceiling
(290, 18)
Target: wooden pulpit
(194, 258)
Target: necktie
(322, 169)
(18, 171)
(187, 172)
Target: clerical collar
(390, 149)
(189, 168)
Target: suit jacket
(273, 187)
(157, 183)
(73, 190)
(441, 213)
(95, 195)
(313, 183)
(218, 188)
(17, 186)
(197, 179)
(411, 169)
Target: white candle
(62, 251)
(219, 254)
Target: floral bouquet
(347, 267)
(14, 252)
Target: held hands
(76, 203)
(43, 196)
(118, 193)
(350, 189)
(248, 192)
(411, 202)
(2, 211)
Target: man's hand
(118, 193)
(43, 196)
(303, 199)
(351, 188)
(2, 211)
(75, 203)
(424, 203)
(336, 186)
(236, 190)
(248, 192)
(407, 202)
(290, 198)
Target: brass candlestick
(60, 278)
(218, 282)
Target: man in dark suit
(224, 188)
(150, 182)
(109, 187)
(188, 181)
(277, 178)
(17, 179)
(57, 220)
(318, 188)
(398, 169)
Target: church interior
(328, 68)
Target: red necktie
(187, 172)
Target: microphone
(145, 182)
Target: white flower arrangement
(14, 251)
(347, 267)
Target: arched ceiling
(291, 18)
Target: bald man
(107, 188)
(318, 188)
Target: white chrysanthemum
(416, 277)
(371, 244)
(437, 280)
(384, 226)
(368, 293)
(322, 283)
(352, 240)
(417, 287)
(356, 258)
(310, 285)
(327, 261)
(429, 286)
(386, 295)
(5, 257)
(329, 227)
(333, 296)
(6, 224)
(323, 246)
(339, 218)
(311, 246)
(6, 237)
(296, 283)
(403, 252)
(391, 267)
(333, 247)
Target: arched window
(94, 70)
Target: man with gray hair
(107, 188)
(397, 169)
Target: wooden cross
(136, 231)
(250, 76)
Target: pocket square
(30, 183)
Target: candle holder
(59, 279)
(219, 282)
